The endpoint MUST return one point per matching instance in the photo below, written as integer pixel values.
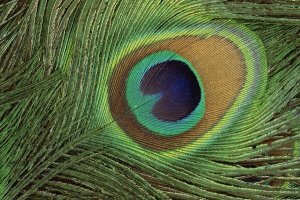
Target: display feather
(60, 138)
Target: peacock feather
(148, 99)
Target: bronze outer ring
(221, 67)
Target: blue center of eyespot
(178, 87)
(165, 93)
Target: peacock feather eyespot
(178, 91)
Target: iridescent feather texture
(149, 99)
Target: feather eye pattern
(149, 99)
